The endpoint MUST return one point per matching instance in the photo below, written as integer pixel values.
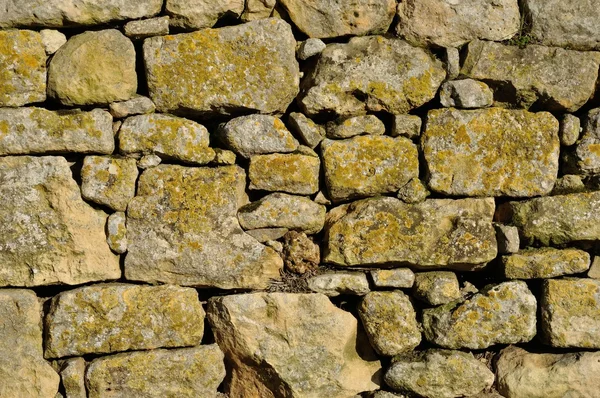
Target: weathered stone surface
(52, 40)
(109, 181)
(399, 277)
(452, 24)
(333, 284)
(116, 232)
(93, 68)
(147, 161)
(310, 48)
(524, 374)
(291, 173)
(22, 68)
(436, 287)
(585, 158)
(37, 130)
(267, 234)
(282, 210)
(257, 135)
(334, 18)
(168, 136)
(545, 262)
(23, 371)
(408, 126)
(184, 372)
(490, 152)
(356, 125)
(390, 322)
(249, 67)
(500, 314)
(568, 183)
(413, 191)
(570, 127)
(365, 166)
(198, 14)
(439, 374)
(363, 75)
(258, 9)
(571, 312)
(72, 376)
(182, 228)
(135, 106)
(276, 346)
(466, 93)
(507, 237)
(555, 78)
(451, 57)
(594, 271)
(138, 30)
(48, 234)
(106, 318)
(310, 132)
(456, 234)
(300, 253)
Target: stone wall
(299, 198)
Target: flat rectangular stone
(545, 262)
(285, 172)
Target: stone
(257, 135)
(276, 346)
(280, 210)
(275, 245)
(333, 284)
(23, 370)
(52, 40)
(398, 278)
(224, 157)
(321, 198)
(451, 57)
(60, 13)
(544, 375)
(507, 237)
(184, 372)
(365, 166)
(22, 68)
(569, 183)
(109, 181)
(182, 228)
(553, 78)
(264, 235)
(148, 161)
(592, 123)
(235, 66)
(488, 152)
(545, 262)
(167, 136)
(93, 68)
(291, 173)
(436, 373)
(436, 287)
(309, 48)
(48, 234)
(363, 75)
(335, 18)
(571, 312)
(199, 14)
(466, 93)
(452, 24)
(584, 159)
(408, 126)
(390, 322)
(258, 9)
(311, 133)
(142, 29)
(413, 191)
(300, 253)
(72, 375)
(570, 127)
(437, 233)
(498, 314)
(116, 232)
(594, 271)
(106, 318)
(136, 106)
(357, 125)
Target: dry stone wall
(299, 198)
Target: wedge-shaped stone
(371, 73)
(292, 345)
(184, 372)
(35, 131)
(491, 152)
(48, 234)
(545, 262)
(292, 173)
(23, 370)
(107, 318)
(500, 314)
(182, 228)
(555, 78)
(437, 233)
(72, 377)
(236, 69)
(198, 14)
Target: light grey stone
(52, 40)
(466, 93)
(148, 161)
(356, 125)
(309, 48)
(311, 133)
(198, 14)
(267, 234)
(333, 284)
(408, 126)
(570, 127)
(109, 181)
(116, 231)
(507, 237)
(136, 106)
(452, 59)
(436, 287)
(399, 277)
(144, 28)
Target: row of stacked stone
(151, 180)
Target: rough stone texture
(182, 228)
(311, 133)
(291, 173)
(555, 78)
(357, 125)
(198, 14)
(569, 183)
(390, 322)
(507, 237)
(436, 287)
(185, 372)
(310, 48)
(285, 211)
(116, 232)
(276, 346)
(258, 9)
(109, 181)
(93, 68)
(594, 271)
(22, 68)
(413, 191)
(571, 312)
(333, 284)
(365, 166)
(52, 40)
(107, 318)
(135, 106)
(454, 23)
(467, 93)
(451, 57)
(585, 159)
(37, 131)
(500, 314)
(545, 262)
(490, 152)
(455, 234)
(408, 126)
(48, 234)
(399, 277)
(72, 376)
(334, 18)
(23, 371)
(235, 68)
(363, 75)
(532, 375)
(439, 374)
(147, 161)
(570, 127)
(167, 136)
(267, 234)
(300, 253)
(138, 30)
